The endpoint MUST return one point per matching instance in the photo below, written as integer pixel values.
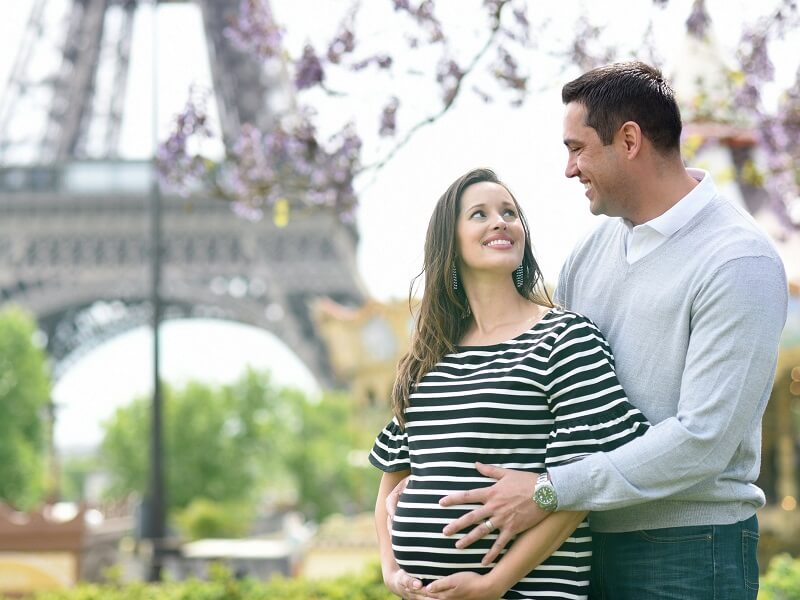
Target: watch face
(545, 497)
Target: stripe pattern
(548, 396)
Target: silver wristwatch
(544, 494)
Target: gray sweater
(694, 327)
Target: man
(693, 298)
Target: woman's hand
(463, 586)
(404, 585)
(392, 499)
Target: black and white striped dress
(547, 396)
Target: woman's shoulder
(572, 326)
(569, 318)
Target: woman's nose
(500, 222)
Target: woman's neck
(499, 313)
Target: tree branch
(377, 166)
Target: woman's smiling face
(489, 232)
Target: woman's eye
(478, 213)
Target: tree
(325, 456)
(74, 474)
(233, 443)
(263, 167)
(213, 440)
(24, 398)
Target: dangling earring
(518, 276)
(455, 277)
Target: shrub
(205, 518)
(223, 586)
(782, 580)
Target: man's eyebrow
(571, 142)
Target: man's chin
(595, 208)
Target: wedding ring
(488, 524)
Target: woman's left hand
(462, 586)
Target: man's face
(598, 167)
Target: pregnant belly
(419, 545)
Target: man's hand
(507, 504)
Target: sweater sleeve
(736, 322)
(591, 411)
(390, 451)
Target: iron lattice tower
(74, 227)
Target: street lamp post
(156, 505)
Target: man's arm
(736, 324)
(729, 369)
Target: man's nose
(572, 169)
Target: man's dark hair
(629, 91)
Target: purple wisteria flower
(388, 125)
(263, 167)
(425, 17)
(382, 61)
(293, 162)
(309, 71)
(698, 22)
(178, 168)
(778, 131)
(343, 43)
(506, 70)
(255, 30)
(449, 76)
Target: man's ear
(630, 136)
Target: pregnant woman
(496, 375)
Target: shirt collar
(687, 207)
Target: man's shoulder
(729, 232)
(727, 247)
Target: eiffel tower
(74, 215)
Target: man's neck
(661, 191)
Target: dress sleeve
(390, 451)
(592, 413)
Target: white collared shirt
(642, 239)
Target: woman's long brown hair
(444, 314)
